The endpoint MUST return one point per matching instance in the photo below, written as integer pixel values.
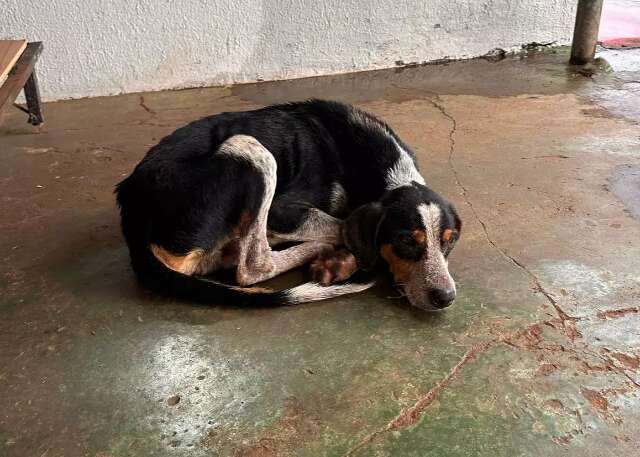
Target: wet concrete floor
(539, 356)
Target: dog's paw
(333, 266)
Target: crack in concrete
(552, 156)
(612, 365)
(617, 313)
(152, 115)
(144, 106)
(538, 287)
(410, 416)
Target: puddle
(621, 145)
(625, 184)
(621, 59)
(619, 92)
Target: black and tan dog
(221, 191)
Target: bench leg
(32, 94)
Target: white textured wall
(102, 47)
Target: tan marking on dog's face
(186, 264)
(420, 236)
(447, 234)
(401, 269)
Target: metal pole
(585, 34)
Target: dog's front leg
(333, 265)
(314, 225)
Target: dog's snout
(441, 298)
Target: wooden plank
(10, 51)
(18, 77)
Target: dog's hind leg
(256, 261)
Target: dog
(222, 192)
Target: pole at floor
(585, 33)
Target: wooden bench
(17, 64)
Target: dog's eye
(407, 239)
(407, 246)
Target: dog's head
(413, 230)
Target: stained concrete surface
(539, 356)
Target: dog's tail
(205, 290)
(156, 276)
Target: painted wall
(103, 47)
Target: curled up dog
(222, 192)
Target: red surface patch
(620, 24)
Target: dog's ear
(360, 231)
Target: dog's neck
(404, 171)
(374, 158)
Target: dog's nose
(441, 298)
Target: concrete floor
(539, 356)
